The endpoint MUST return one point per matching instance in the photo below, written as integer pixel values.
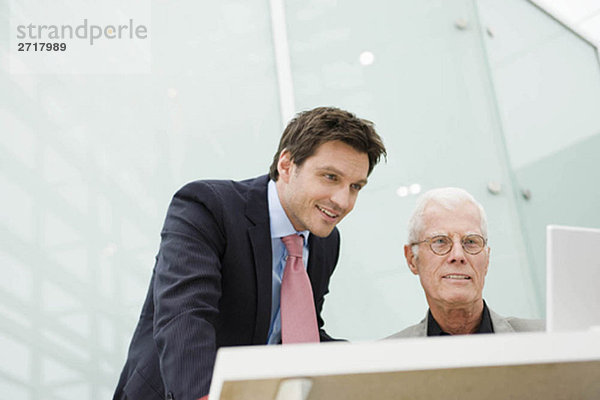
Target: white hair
(449, 198)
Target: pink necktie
(298, 316)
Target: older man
(448, 250)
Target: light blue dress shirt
(280, 227)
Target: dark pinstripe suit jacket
(211, 287)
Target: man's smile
(456, 277)
(328, 213)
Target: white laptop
(572, 278)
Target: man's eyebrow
(440, 233)
(437, 233)
(336, 171)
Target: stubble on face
(318, 194)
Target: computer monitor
(572, 278)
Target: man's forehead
(461, 216)
(340, 158)
(462, 206)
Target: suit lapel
(259, 234)
(314, 260)
(499, 323)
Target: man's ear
(410, 259)
(284, 165)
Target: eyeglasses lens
(441, 244)
(472, 244)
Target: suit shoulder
(513, 324)
(526, 325)
(411, 331)
(218, 189)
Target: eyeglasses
(442, 244)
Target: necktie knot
(293, 244)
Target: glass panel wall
(547, 81)
(494, 97)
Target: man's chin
(459, 299)
(322, 231)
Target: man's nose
(457, 253)
(343, 199)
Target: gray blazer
(499, 323)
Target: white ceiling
(582, 16)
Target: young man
(234, 257)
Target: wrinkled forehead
(462, 217)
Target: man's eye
(330, 177)
(440, 240)
(356, 186)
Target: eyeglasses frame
(428, 241)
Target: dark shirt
(433, 328)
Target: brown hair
(309, 129)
